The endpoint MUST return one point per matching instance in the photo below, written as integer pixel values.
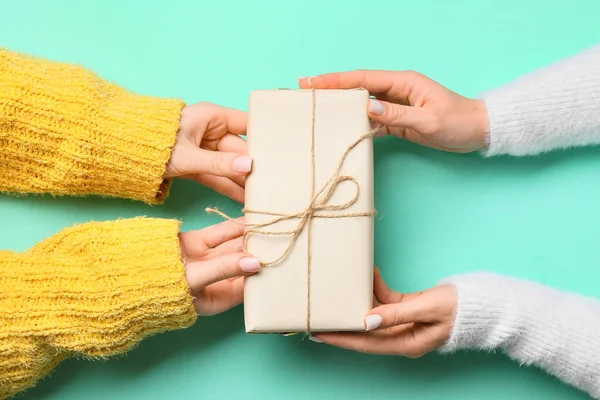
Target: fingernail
(249, 264)
(376, 107)
(242, 164)
(308, 80)
(314, 339)
(373, 321)
(302, 78)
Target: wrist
(480, 123)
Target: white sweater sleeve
(555, 107)
(534, 324)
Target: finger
(376, 82)
(231, 143)
(225, 186)
(200, 253)
(370, 342)
(399, 341)
(228, 142)
(230, 246)
(396, 84)
(407, 312)
(219, 297)
(396, 115)
(219, 163)
(237, 121)
(223, 119)
(385, 97)
(383, 293)
(200, 274)
(240, 181)
(214, 235)
(376, 303)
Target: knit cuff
(506, 134)
(68, 132)
(487, 314)
(131, 157)
(114, 283)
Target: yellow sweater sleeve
(65, 131)
(94, 290)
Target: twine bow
(318, 203)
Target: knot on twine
(319, 202)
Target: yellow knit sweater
(96, 289)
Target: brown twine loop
(318, 204)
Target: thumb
(192, 160)
(396, 115)
(388, 315)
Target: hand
(414, 107)
(215, 265)
(210, 151)
(409, 325)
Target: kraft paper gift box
(317, 270)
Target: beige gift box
(325, 282)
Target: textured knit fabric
(552, 108)
(535, 325)
(93, 290)
(65, 131)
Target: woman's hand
(210, 151)
(215, 265)
(414, 107)
(409, 325)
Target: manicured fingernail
(314, 339)
(308, 80)
(242, 164)
(249, 264)
(373, 321)
(376, 107)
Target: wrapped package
(309, 211)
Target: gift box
(309, 211)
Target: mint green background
(440, 214)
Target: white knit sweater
(552, 108)
(555, 107)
